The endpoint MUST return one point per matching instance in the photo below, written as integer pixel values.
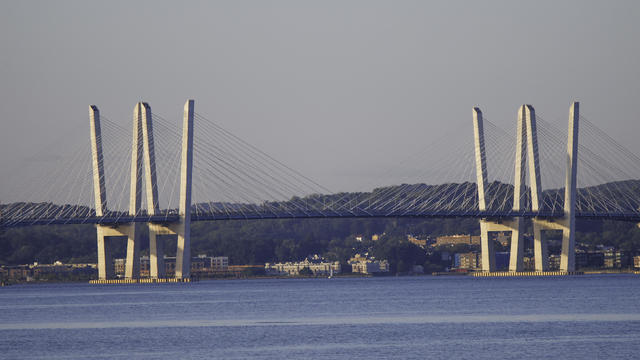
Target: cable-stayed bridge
(205, 173)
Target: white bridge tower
(527, 154)
(143, 151)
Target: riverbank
(9, 282)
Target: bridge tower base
(105, 260)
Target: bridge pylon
(566, 224)
(526, 154)
(527, 157)
(486, 245)
(105, 261)
(143, 152)
(512, 225)
(567, 256)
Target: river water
(581, 317)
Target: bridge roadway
(117, 219)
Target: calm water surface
(582, 317)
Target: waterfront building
(616, 259)
(19, 272)
(316, 264)
(529, 263)
(220, 263)
(554, 262)
(118, 267)
(470, 261)
(636, 262)
(364, 265)
(38, 271)
(473, 260)
(199, 264)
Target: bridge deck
(311, 214)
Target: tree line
(261, 241)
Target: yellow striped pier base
(526, 273)
(139, 281)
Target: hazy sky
(336, 89)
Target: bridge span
(498, 206)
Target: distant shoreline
(292, 277)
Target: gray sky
(339, 90)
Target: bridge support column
(105, 260)
(156, 251)
(156, 245)
(132, 264)
(132, 231)
(511, 225)
(106, 235)
(183, 228)
(526, 149)
(516, 256)
(540, 253)
(183, 251)
(486, 246)
(567, 256)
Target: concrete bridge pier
(516, 256)
(156, 251)
(132, 262)
(540, 249)
(105, 260)
(486, 246)
(512, 225)
(106, 238)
